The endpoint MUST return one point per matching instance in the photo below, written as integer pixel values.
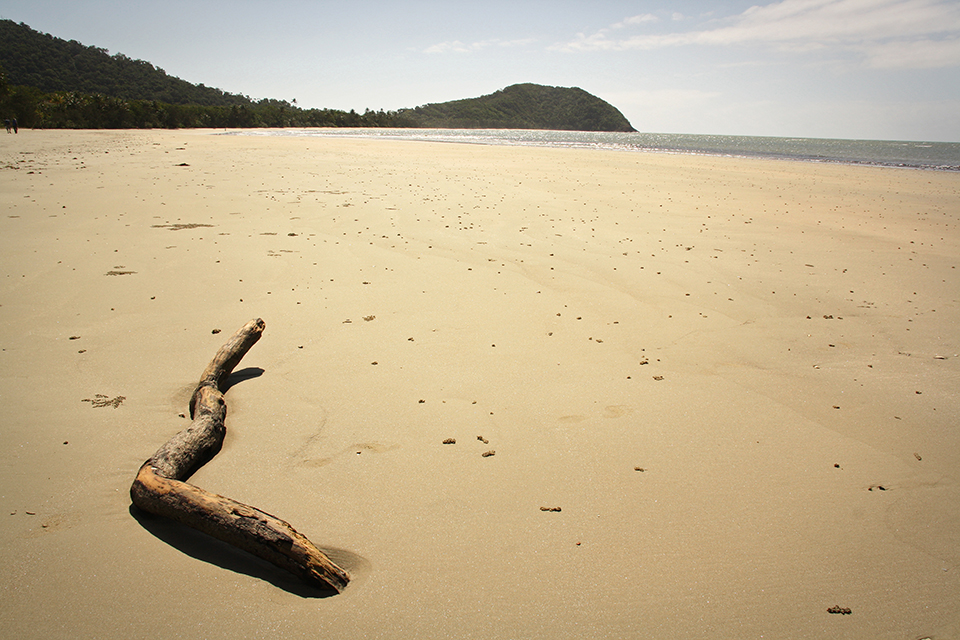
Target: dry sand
(737, 380)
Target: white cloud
(633, 20)
(522, 42)
(889, 33)
(455, 46)
(448, 46)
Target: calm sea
(940, 156)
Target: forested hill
(35, 59)
(524, 106)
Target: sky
(863, 69)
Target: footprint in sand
(611, 411)
(616, 411)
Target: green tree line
(73, 110)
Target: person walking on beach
(7, 122)
(15, 129)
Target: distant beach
(940, 156)
(522, 390)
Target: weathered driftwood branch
(160, 488)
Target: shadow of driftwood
(208, 549)
(239, 376)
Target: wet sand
(721, 393)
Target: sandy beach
(736, 379)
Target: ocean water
(940, 156)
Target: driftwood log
(160, 488)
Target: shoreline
(730, 383)
(566, 140)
